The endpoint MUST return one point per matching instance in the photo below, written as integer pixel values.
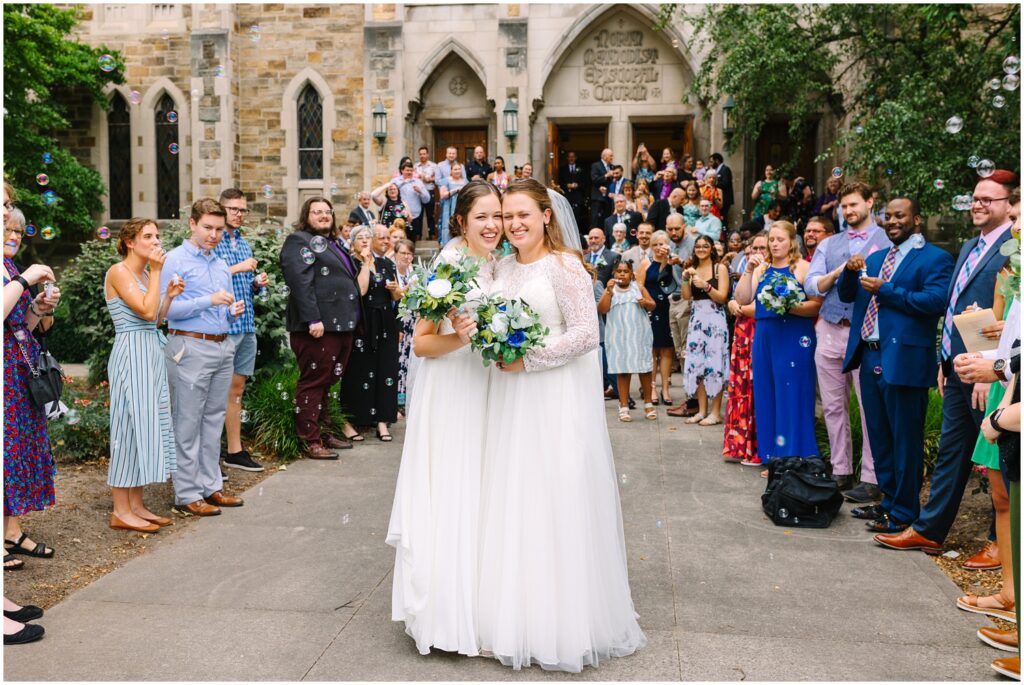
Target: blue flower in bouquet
(516, 339)
(506, 330)
(781, 289)
(780, 293)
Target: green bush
(270, 403)
(85, 434)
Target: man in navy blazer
(898, 295)
(973, 282)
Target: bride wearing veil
(553, 583)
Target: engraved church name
(620, 68)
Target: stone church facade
(279, 99)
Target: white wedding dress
(434, 519)
(554, 588)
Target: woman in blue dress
(656, 276)
(783, 354)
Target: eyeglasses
(986, 201)
(8, 206)
(15, 231)
(321, 212)
(238, 210)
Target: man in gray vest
(680, 244)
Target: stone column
(213, 111)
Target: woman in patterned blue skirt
(141, 433)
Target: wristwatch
(993, 419)
(998, 367)
(24, 283)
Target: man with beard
(818, 228)
(898, 295)
(833, 334)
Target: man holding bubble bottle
(200, 359)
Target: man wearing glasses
(963, 403)
(235, 250)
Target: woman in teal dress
(765, 191)
(783, 352)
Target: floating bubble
(324, 271)
(219, 71)
(312, 365)
(837, 172)
(366, 386)
(284, 290)
(345, 520)
(318, 244)
(49, 197)
(172, 117)
(165, 34)
(352, 324)
(196, 93)
(47, 158)
(72, 417)
(334, 189)
(297, 410)
(1011, 82)
(954, 124)
(243, 416)
(389, 382)
(783, 512)
(858, 129)
(47, 232)
(657, 524)
(623, 479)
(805, 341)
(1011, 65)
(254, 33)
(107, 63)
(135, 97)
(972, 161)
(173, 148)
(370, 375)
(999, 102)
(307, 255)
(280, 386)
(351, 296)
(268, 191)
(337, 369)
(939, 184)
(877, 370)
(780, 440)
(103, 232)
(632, 232)
(995, 84)
(889, 172)
(43, 179)
(985, 168)
(30, 230)
(284, 396)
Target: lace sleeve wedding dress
(434, 518)
(554, 587)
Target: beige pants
(678, 323)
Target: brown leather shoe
(985, 560)
(682, 411)
(199, 508)
(1005, 640)
(336, 443)
(1009, 667)
(159, 520)
(317, 451)
(908, 539)
(221, 500)
(118, 524)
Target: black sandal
(8, 558)
(355, 437)
(384, 438)
(38, 551)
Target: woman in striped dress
(141, 433)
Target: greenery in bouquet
(506, 330)
(433, 292)
(781, 293)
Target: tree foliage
(894, 74)
(42, 68)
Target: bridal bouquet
(506, 330)
(432, 293)
(781, 293)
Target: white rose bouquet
(434, 293)
(506, 330)
(781, 293)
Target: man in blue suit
(973, 282)
(898, 295)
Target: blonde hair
(794, 247)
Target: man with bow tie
(631, 220)
(362, 215)
(833, 334)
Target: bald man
(662, 209)
(597, 255)
(600, 177)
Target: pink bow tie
(862, 235)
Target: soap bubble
(837, 172)
(284, 396)
(351, 296)
(972, 161)
(47, 158)
(165, 34)
(954, 124)
(888, 172)
(366, 386)
(107, 63)
(370, 374)
(939, 184)
(307, 255)
(999, 102)
(30, 230)
(805, 341)
(780, 440)
(318, 244)
(103, 232)
(1011, 65)
(280, 386)
(135, 97)
(47, 232)
(324, 271)
(268, 191)
(284, 290)
(995, 84)
(243, 416)
(389, 382)
(962, 203)
(254, 33)
(172, 117)
(334, 189)
(312, 365)
(623, 479)
(985, 168)
(878, 370)
(337, 369)
(72, 417)
(657, 524)
(858, 129)
(49, 197)
(173, 148)
(43, 179)
(1011, 82)
(218, 71)
(196, 93)
(345, 520)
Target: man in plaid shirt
(234, 250)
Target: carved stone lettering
(620, 68)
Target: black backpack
(800, 493)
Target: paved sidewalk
(296, 585)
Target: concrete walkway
(297, 586)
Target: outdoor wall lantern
(511, 120)
(380, 123)
(727, 109)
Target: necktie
(961, 281)
(867, 330)
(594, 256)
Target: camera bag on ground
(800, 493)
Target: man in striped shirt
(235, 250)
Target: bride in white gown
(434, 519)
(554, 587)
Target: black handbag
(800, 493)
(46, 377)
